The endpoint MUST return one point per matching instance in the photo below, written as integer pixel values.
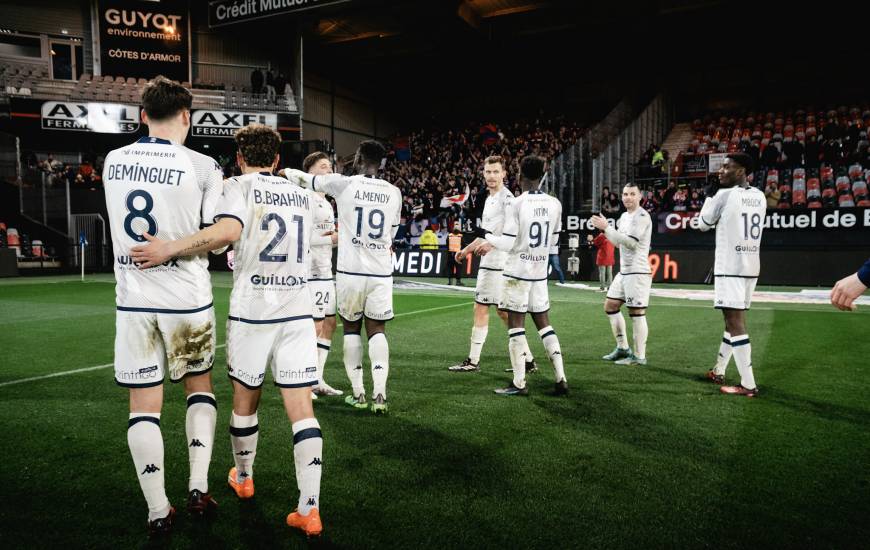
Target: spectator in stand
(832, 152)
(429, 240)
(604, 259)
(256, 81)
(270, 85)
(793, 152)
(680, 201)
(610, 207)
(650, 204)
(280, 85)
(658, 160)
(696, 202)
(770, 156)
(772, 193)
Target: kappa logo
(150, 469)
(311, 502)
(358, 367)
(244, 453)
(196, 443)
(379, 367)
(315, 462)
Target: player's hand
(845, 292)
(154, 253)
(599, 222)
(483, 249)
(333, 235)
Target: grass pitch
(648, 457)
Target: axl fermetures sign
(103, 118)
(224, 124)
(225, 12)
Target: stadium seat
(856, 171)
(846, 201)
(843, 184)
(863, 203)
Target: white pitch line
(107, 365)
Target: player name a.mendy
(372, 196)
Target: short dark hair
(312, 159)
(744, 160)
(163, 98)
(258, 144)
(532, 167)
(631, 184)
(371, 152)
(494, 159)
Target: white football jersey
(637, 226)
(535, 218)
(493, 220)
(323, 220)
(369, 210)
(169, 191)
(271, 273)
(738, 214)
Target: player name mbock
(145, 174)
(281, 199)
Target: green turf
(635, 457)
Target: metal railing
(615, 163)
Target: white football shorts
(524, 296)
(360, 295)
(322, 298)
(489, 285)
(733, 292)
(288, 347)
(147, 342)
(632, 288)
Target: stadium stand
(804, 158)
(32, 79)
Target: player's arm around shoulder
(224, 232)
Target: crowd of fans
(442, 163)
(85, 175)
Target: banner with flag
(489, 133)
(459, 199)
(403, 148)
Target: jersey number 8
(143, 213)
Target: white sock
(146, 447)
(244, 432)
(323, 346)
(307, 455)
(551, 344)
(379, 356)
(478, 337)
(353, 362)
(724, 354)
(528, 352)
(639, 332)
(517, 345)
(199, 426)
(743, 359)
(617, 326)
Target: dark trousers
(452, 265)
(554, 261)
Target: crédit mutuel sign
(226, 12)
